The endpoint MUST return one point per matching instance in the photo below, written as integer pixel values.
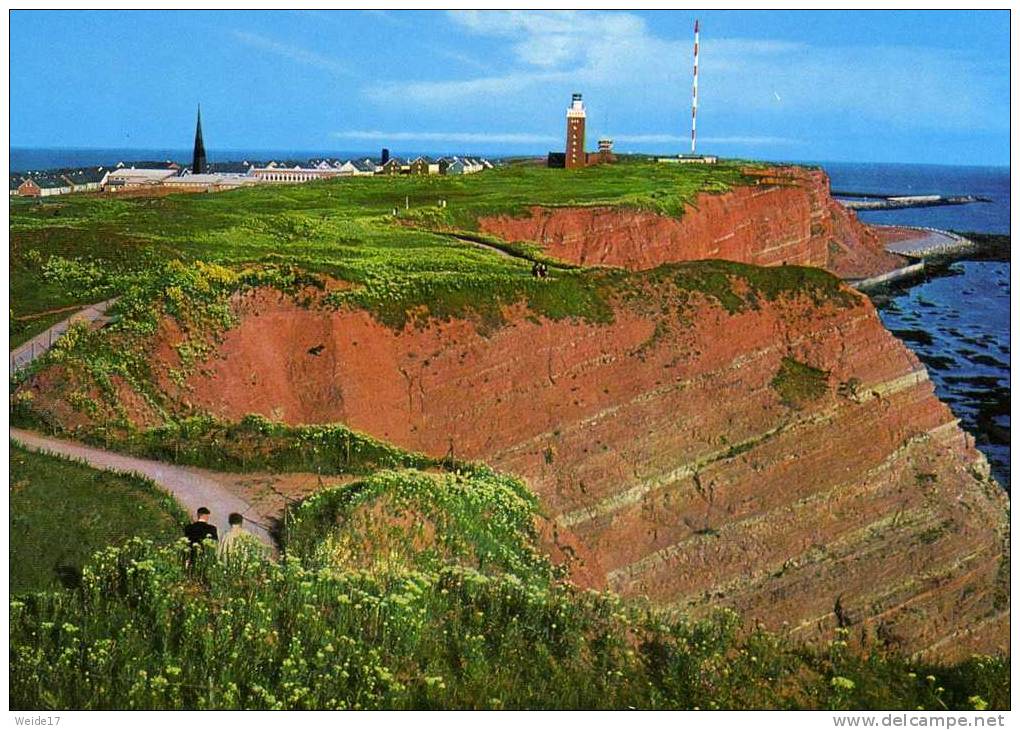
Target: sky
(864, 86)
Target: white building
(211, 182)
(296, 174)
(132, 177)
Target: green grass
(257, 444)
(342, 227)
(422, 521)
(798, 384)
(23, 330)
(62, 511)
(327, 628)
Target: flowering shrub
(149, 630)
(411, 519)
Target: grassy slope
(62, 511)
(24, 330)
(328, 628)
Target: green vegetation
(22, 330)
(475, 518)
(344, 228)
(327, 627)
(250, 445)
(62, 511)
(738, 287)
(257, 444)
(799, 384)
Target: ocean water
(989, 182)
(956, 319)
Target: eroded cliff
(787, 218)
(782, 455)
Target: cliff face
(788, 459)
(789, 217)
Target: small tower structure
(605, 153)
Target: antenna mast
(694, 94)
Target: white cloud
(617, 58)
(462, 58)
(463, 137)
(471, 90)
(294, 53)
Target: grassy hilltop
(81, 249)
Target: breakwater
(873, 201)
(906, 272)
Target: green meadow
(81, 249)
(62, 511)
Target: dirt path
(261, 498)
(26, 353)
(505, 253)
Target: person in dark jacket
(200, 529)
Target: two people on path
(235, 538)
(539, 270)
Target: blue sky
(856, 86)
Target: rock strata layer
(673, 451)
(787, 218)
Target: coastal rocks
(788, 218)
(789, 459)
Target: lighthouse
(575, 156)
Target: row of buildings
(225, 176)
(203, 176)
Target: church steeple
(198, 158)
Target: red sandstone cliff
(660, 442)
(789, 217)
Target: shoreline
(930, 254)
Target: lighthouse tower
(575, 134)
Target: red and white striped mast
(694, 93)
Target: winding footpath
(26, 353)
(191, 487)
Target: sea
(955, 319)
